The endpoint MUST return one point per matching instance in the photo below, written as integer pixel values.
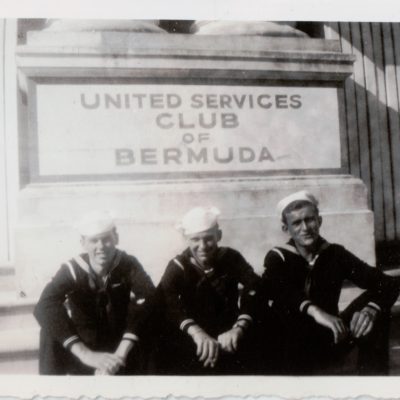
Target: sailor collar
(85, 265)
(209, 271)
(322, 246)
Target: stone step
(7, 278)
(19, 341)
(19, 334)
(15, 311)
(19, 351)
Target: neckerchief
(322, 246)
(209, 274)
(101, 286)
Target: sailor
(208, 326)
(304, 278)
(93, 312)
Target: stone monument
(151, 124)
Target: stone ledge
(10, 300)
(42, 203)
(115, 41)
(19, 342)
(16, 313)
(135, 55)
(350, 292)
(7, 270)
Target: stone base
(147, 212)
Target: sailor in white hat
(304, 228)
(96, 222)
(200, 288)
(200, 228)
(100, 327)
(304, 278)
(294, 199)
(99, 238)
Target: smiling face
(204, 245)
(303, 224)
(101, 249)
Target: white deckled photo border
(226, 387)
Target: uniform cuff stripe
(130, 336)
(71, 340)
(245, 317)
(304, 304)
(185, 323)
(374, 305)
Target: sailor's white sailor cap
(198, 219)
(302, 195)
(95, 223)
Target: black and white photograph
(198, 198)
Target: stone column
(8, 140)
(150, 125)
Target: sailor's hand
(363, 321)
(335, 324)
(106, 362)
(207, 348)
(124, 348)
(229, 340)
(102, 361)
(101, 372)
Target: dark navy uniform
(210, 299)
(293, 284)
(75, 307)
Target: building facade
(150, 118)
